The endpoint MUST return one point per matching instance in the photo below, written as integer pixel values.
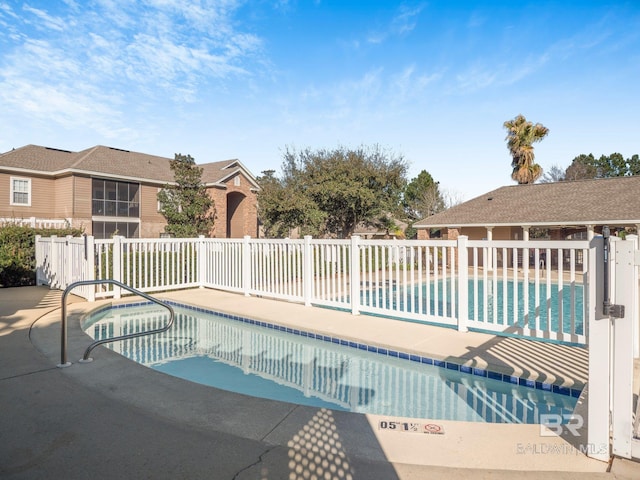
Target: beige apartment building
(106, 190)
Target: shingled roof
(614, 201)
(109, 161)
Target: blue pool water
(243, 356)
(552, 311)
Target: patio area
(114, 418)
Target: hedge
(18, 253)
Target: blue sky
(432, 81)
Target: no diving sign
(411, 427)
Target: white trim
(12, 191)
(97, 218)
(115, 176)
(239, 170)
(89, 173)
(575, 223)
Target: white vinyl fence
(36, 222)
(536, 289)
(551, 290)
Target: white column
(70, 274)
(599, 363)
(590, 232)
(54, 276)
(90, 254)
(525, 233)
(463, 283)
(354, 275)
(246, 265)
(117, 265)
(201, 252)
(307, 271)
(489, 259)
(623, 345)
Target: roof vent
(490, 198)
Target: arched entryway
(236, 215)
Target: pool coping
(376, 349)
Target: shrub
(18, 255)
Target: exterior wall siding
(152, 222)
(71, 197)
(82, 203)
(63, 192)
(42, 198)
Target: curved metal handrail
(85, 357)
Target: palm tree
(521, 135)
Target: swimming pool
(547, 307)
(259, 359)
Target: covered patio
(556, 211)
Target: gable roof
(113, 162)
(614, 201)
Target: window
(20, 191)
(109, 229)
(115, 199)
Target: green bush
(18, 254)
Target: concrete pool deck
(112, 418)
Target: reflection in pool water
(265, 362)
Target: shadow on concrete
(113, 418)
(531, 359)
(15, 299)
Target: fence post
(69, 262)
(90, 264)
(626, 294)
(202, 261)
(55, 264)
(598, 340)
(307, 271)
(117, 265)
(354, 274)
(463, 284)
(634, 308)
(246, 265)
(39, 260)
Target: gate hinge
(616, 311)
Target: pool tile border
(479, 372)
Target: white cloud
(405, 21)
(408, 85)
(46, 20)
(93, 56)
(66, 107)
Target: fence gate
(625, 347)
